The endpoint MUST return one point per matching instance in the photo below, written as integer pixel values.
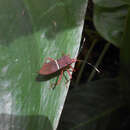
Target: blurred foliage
(90, 105)
(125, 61)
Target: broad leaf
(31, 31)
(109, 19)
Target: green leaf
(31, 31)
(109, 19)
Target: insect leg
(72, 68)
(60, 77)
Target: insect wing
(48, 68)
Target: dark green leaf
(89, 103)
(125, 61)
(110, 20)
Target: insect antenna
(75, 60)
(96, 69)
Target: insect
(53, 66)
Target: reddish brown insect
(62, 64)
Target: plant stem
(85, 61)
(99, 61)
